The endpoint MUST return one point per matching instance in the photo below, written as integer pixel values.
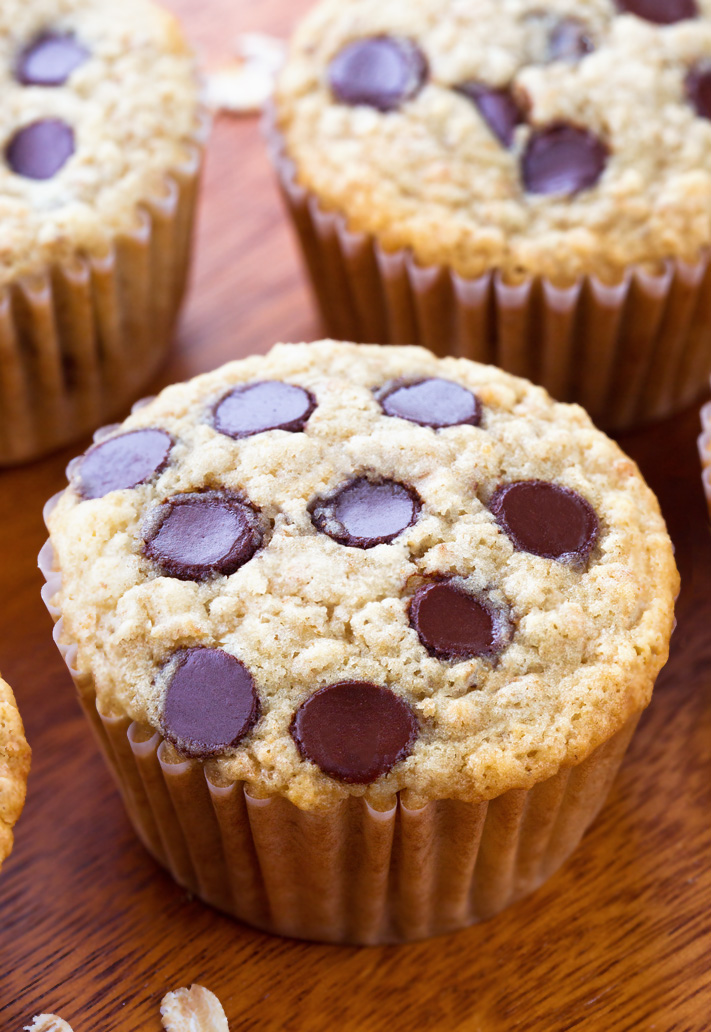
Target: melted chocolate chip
(498, 108)
(452, 624)
(354, 731)
(698, 89)
(123, 462)
(661, 12)
(211, 702)
(268, 405)
(193, 536)
(366, 513)
(40, 149)
(436, 403)
(546, 519)
(382, 72)
(50, 60)
(569, 41)
(563, 160)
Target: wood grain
(92, 929)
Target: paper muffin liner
(349, 874)
(79, 339)
(630, 352)
(705, 452)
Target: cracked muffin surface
(428, 547)
(561, 139)
(14, 768)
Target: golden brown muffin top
(14, 767)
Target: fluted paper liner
(349, 874)
(629, 353)
(80, 339)
(705, 451)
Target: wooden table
(90, 928)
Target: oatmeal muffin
(705, 451)
(516, 182)
(348, 601)
(100, 135)
(14, 768)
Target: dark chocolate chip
(698, 89)
(569, 41)
(380, 71)
(193, 536)
(546, 519)
(268, 405)
(661, 12)
(211, 702)
(50, 60)
(365, 512)
(563, 159)
(498, 108)
(436, 403)
(354, 730)
(452, 623)
(123, 462)
(40, 149)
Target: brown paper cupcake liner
(629, 353)
(350, 874)
(78, 340)
(705, 452)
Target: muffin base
(631, 352)
(350, 874)
(79, 340)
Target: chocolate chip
(50, 60)
(698, 89)
(563, 160)
(546, 519)
(122, 462)
(381, 71)
(498, 108)
(354, 730)
(661, 12)
(366, 512)
(211, 702)
(193, 536)
(452, 623)
(434, 402)
(268, 405)
(40, 149)
(569, 40)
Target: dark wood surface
(90, 928)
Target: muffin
(513, 182)
(364, 632)
(14, 768)
(100, 136)
(705, 451)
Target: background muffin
(14, 768)
(100, 132)
(360, 595)
(516, 183)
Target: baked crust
(433, 178)
(306, 611)
(14, 767)
(134, 109)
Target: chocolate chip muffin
(100, 137)
(514, 182)
(372, 604)
(14, 768)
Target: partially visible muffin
(349, 582)
(100, 134)
(14, 768)
(479, 177)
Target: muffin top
(341, 569)
(544, 137)
(100, 102)
(14, 767)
